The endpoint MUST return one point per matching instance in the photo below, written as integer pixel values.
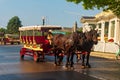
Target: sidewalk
(103, 55)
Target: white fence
(106, 47)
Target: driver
(50, 36)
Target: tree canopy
(13, 25)
(2, 30)
(113, 5)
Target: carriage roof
(40, 27)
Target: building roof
(105, 15)
(88, 17)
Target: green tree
(13, 25)
(2, 30)
(113, 5)
(80, 29)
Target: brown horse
(66, 44)
(88, 40)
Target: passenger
(50, 36)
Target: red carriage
(35, 42)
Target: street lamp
(43, 20)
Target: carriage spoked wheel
(22, 57)
(21, 54)
(36, 57)
(42, 57)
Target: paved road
(12, 68)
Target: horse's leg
(55, 54)
(71, 59)
(83, 60)
(67, 59)
(58, 57)
(61, 55)
(87, 60)
(78, 57)
(55, 59)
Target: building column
(102, 31)
(109, 31)
(97, 26)
(117, 33)
(99, 31)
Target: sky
(55, 12)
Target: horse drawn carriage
(35, 42)
(9, 38)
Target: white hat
(50, 31)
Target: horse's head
(92, 36)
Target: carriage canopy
(31, 36)
(41, 27)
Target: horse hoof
(55, 65)
(64, 67)
(88, 66)
(72, 68)
(83, 67)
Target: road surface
(12, 68)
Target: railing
(32, 39)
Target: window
(112, 28)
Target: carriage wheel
(4, 43)
(21, 54)
(36, 57)
(41, 56)
(21, 57)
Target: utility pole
(43, 23)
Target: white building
(108, 26)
